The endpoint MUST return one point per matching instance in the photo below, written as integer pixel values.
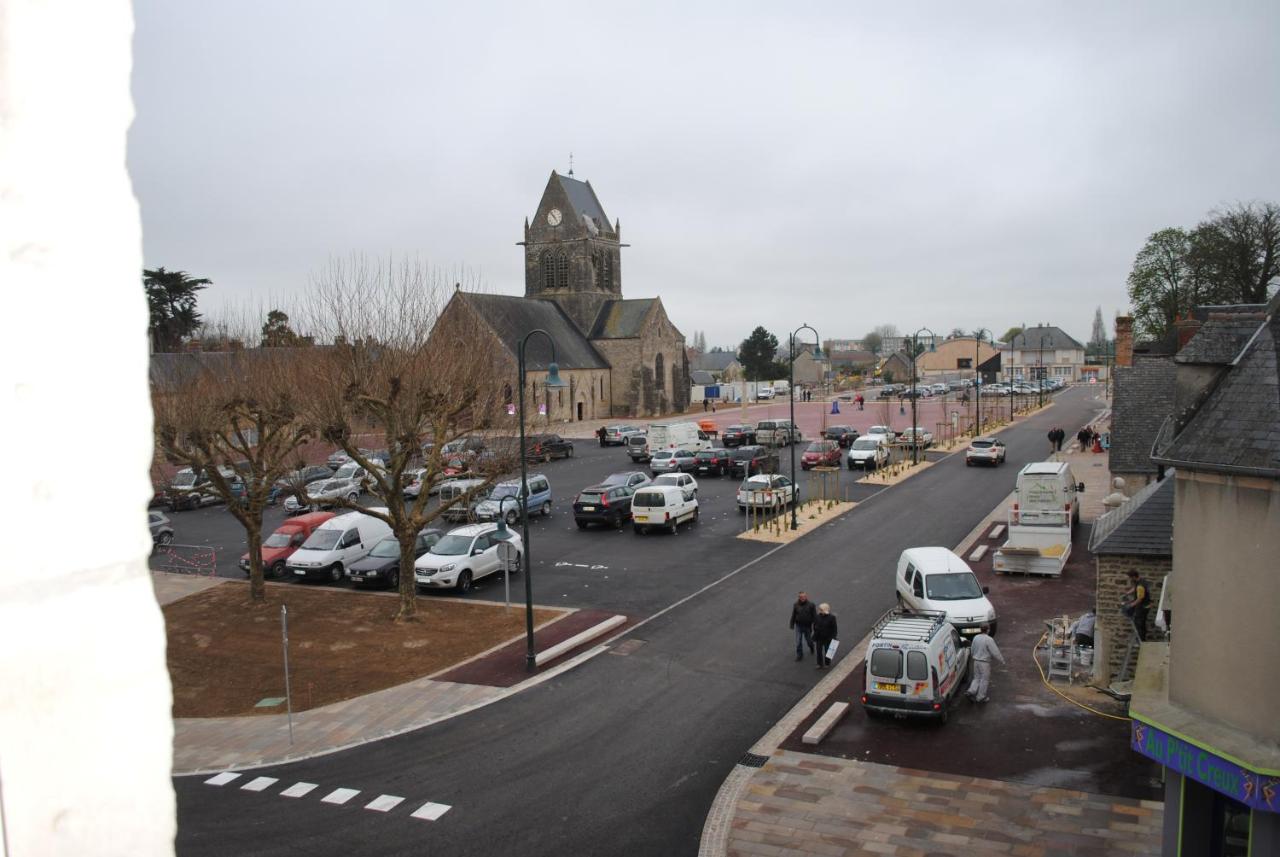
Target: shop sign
(1256, 790)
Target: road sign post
(288, 696)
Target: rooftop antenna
(571, 165)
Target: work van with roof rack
(915, 665)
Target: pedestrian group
(814, 626)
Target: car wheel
(546, 508)
(277, 571)
(994, 624)
(464, 582)
(569, 452)
(851, 467)
(673, 527)
(695, 515)
(546, 459)
(511, 517)
(164, 539)
(582, 525)
(335, 572)
(351, 498)
(393, 580)
(637, 529)
(618, 522)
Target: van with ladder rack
(915, 665)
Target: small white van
(337, 543)
(662, 506)
(936, 580)
(915, 665)
(1046, 495)
(676, 436)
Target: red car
(821, 453)
(281, 544)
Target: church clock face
(554, 217)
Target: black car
(603, 504)
(544, 447)
(713, 462)
(843, 435)
(748, 460)
(739, 435)
(382, 564)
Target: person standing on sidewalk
(803, 614)
(983, 649)
(824, 631)
(1062, 436)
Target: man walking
(1137, 603)
(983, 649)
(803, 614)
(601, 434)
(1053, 439)
(824, 631)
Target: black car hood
(375, 563)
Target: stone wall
(1113, 583)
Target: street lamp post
(978, 336)
(791, 435)
(915, 348)
(1040, 380)
(553, 381)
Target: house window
(964, 362)
(562, 271)
(659, 373)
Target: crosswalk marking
(339, 796)
(384, 803)
(221, 779)
(431, 811)
(297, 790)
(257, 784)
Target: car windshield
(742, 453)
(322, 540)
(658, 455)
(277, 540)
(886, 663)
(185, 479)
(452, 545)
(755, 483)
(386, 549)
(818, 447)
(331, 485)
(617, 479)
(981, 444)
(649, 498)
(346, 471)
(501, 491)
(878, 430)
(668, 479)
(865, 444)
(953, 586)
(706, 453)
(590, 496)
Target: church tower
(571, 253)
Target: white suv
(463, 556)
(771, 491)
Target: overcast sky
(943, 165)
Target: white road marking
(339, 796)
(257, 784)
(431, 811)
(221, 779)
(384, 803)
(298, 790)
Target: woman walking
(824, 631)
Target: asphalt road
(624, 753)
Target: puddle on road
(1041, 710)
(1059, 778)
(1081, 744)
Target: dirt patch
(225, 654)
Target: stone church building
(620, 357)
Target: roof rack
(918, 625)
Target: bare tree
(234, 418)
(416, 385)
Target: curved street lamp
(791, 434)
(915, 352)
(979, 336)
(553, 382)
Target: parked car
(712, 462)
(673, 460)
(777, 433)
(738, 435)
(603, 504)
(984, 450)
(821, 453)
(285, 541)
(617, 435)
(661, 506)
(357, 474)
(503, 500)
(747, 460)
(638, 448)
(869, 452)
(888, 435)
(935, 579)
(683, 481)
(766, 491)
(764, 391)
(337, 543)
(631, 479)
(161, 528)
(463, 446)
(323, 495)
(938, 389)
(463, 556)
(843, 435)
(888, 391)
(544, 447)
(413, 482)
(191, 490)
(915, 665)
(298, 479)
(382, 565)
(916, 436)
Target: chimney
(1186, 328)
(1124, 340)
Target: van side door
(349, 545)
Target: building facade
(955, 358)
(1044, 351)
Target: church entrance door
(581, 409)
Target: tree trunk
(408, 586)
(257, 589)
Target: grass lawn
(225, 654)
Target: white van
(936, 580)
(337, 543)
(1046, 495)
(915, 665)
(662, 506)
(676, 436)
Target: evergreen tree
(757, 353)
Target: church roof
(512, 318)
(1052, 337)
(621, 319)
(584, 201)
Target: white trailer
(1041, 522)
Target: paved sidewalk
(171, 587)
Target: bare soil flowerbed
(225, 654)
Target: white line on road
(298, 790)
(257, 784)
(339, 796)
(431, 811)
(221, 779)
(384, 803)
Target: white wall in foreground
(85, 734)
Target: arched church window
(548, 270)
(659, 373)
(562, 270)
(607, 269)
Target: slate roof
(1054, 337)
(1144, 397)
(171, 369)
(701, 377)
(852, 358)
(1141, 527)
(714, 361)
(584, 201)
(621, 319)
(1220, 339)
(512, 318)
(1237, 428)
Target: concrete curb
(578, 639)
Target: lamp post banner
(1254, 789)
